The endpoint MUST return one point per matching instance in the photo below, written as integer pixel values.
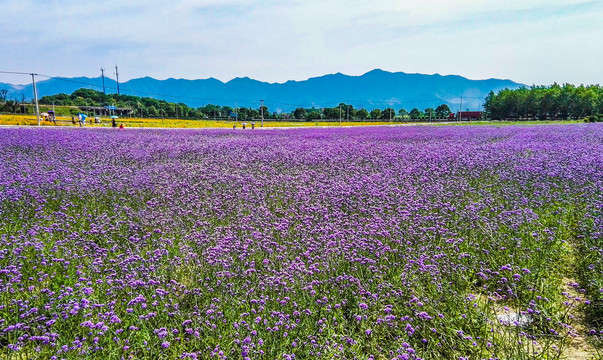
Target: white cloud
(533, 41)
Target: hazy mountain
(375, 89)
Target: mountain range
(375, 89)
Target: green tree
(152, 111)
(80, 101)
(541, 102)
(299, 113)
(347, 111)
(388, 114)
(245, 113)
(313, 115)
(376, 114)
(429, 113)
(331, 113)
(442, 111)
(362, 114)
(415, 114)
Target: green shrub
(594, 118)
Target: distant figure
(234, 126)
(73, 120)
(121, 126)
(82, 119)
(113, 123)
(252, 125)
(244, 124)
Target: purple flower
(229, 235)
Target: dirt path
(578, 348)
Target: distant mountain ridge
(375, 89)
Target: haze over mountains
(375, 89)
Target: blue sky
(529, 41)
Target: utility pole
(35, 91)
(103, 76)
(262, 111)
(117, 78)
(339, 114)
(461, 110)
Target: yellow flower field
(172, 123)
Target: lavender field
(365, 243)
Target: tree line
(151, 107)
(348, 112)
(12, 105)
(534, 103)
(545, 103)
(140, 106)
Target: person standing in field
(113, 123)
(52, 117)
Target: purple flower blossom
(110, 239)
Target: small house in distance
(466, 115)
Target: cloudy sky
(529, 41)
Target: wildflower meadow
(449, 242)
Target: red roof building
(466, 115)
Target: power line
(15, 72)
